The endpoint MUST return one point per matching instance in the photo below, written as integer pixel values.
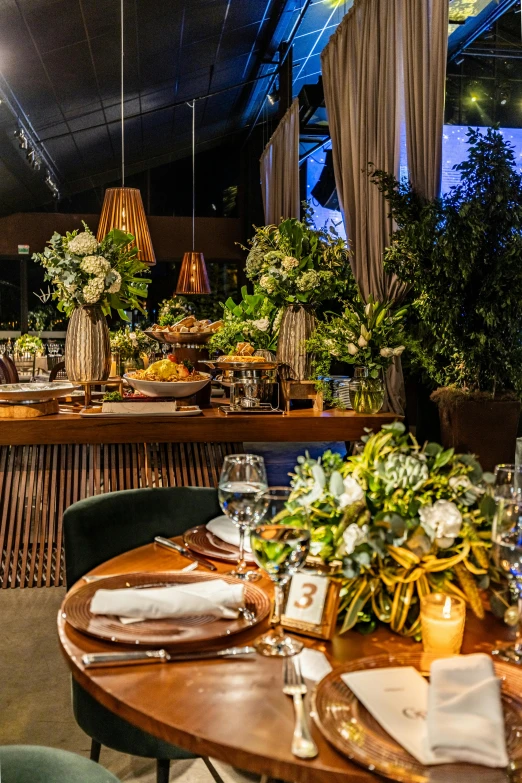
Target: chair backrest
(104, 526)
(10, 369)
(58, 372)
(37, 764)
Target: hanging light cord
(193, 104)
(122, 106)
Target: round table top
(234, 711)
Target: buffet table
(48, 463)
(236, 711)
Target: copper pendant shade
(193, 277)
(123, 208)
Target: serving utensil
(91, 660)
(168, 544)
(303, 745)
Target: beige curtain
(425, 42)
(280, 169)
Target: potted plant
(461, 257)
(91, 278)
(367, 335)
(254, 320)
(297, 267)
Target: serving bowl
(167, 388)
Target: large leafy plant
(254, 319)
(461, 256)
(397, 521)
(294, 263)
(87, 272)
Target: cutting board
(28, 411)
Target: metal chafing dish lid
(217, 365)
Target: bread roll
(184, 329)
(215, 326)
(190, 320)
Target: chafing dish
(252, 384)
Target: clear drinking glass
(506, 536)
(280, 551)
(241, 487)
(508, 481)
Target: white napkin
(223, 528)
(465, 720)
(314, 664)
(215, 597)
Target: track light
(34, 159)
(51, 184)
(273, 97)
(23, 141)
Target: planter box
(487, 428)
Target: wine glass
(508, 481)
(241, 487)
(506, 537)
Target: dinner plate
(172, 633)
(203, 542)
(34, 392)
(348, 725)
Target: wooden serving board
(29, 411)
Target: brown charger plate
(348, 725)
(163, 633)
(203, 542)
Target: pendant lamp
(193, 277)
(123, 207)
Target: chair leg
(95, 750)
(211, 768)
(162, 771)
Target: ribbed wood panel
(37, 484)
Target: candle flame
(446, 609)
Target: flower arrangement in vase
(129, 346)
(28, 344)
(368, 335)
(91, 278)
(254, 320)
(396, 522)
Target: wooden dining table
(233, 710)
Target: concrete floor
(35, 705)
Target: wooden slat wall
(37, 484)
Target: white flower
(289, 262)
(116, 284)
(93, 290)
(315, 547)
(262, 324)
(336, 484)
(362, 342)
(460, 482)
(95, 265)
(353, 536)
(268, 283)
(397, 351)
(442, 521)
(386, 352)
(353, 493)
(352, 349)
(278, 319)
(308, 281)
(83, 244)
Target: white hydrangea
(353, 536)
(95, 265)
(93, 290)
(268, 283)
(289, 262)
(353, 493)
(262, 324)
(83, 244)
(308, 281)
(116, 284)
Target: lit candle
(442, 621)
(113, 368)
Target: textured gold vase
(87, 345)
(297, 325)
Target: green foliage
(461, 255)
(255, 320)
(294, 263)
(113, 396)
(87, 272)
(129, 344)
(27, 343)
(173, 310)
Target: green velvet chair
(102, 527)
(35, 764)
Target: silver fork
(303, 745)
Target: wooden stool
(111, 382)
(301, 390)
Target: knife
(168, 544)
(90, 660)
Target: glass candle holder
(442, 621)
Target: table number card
(311, 605)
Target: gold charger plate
(348, 725)
(203, 542)
(182, 631)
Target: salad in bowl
(168, 378)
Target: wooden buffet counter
(48, 463)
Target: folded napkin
(465, 720)
(223, 528)
(213, 597)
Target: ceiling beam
(475, 26)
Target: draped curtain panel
(280, 169)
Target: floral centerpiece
(396, 522)
(129, 345)
(91, 278)
(255, 320)
(173, 310)
(27, 343)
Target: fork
(294, 685)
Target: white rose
(262, 324)
(386, 352)
(362, 342)
(460, 482)
(353, 536)
(397, 351)
(442, 521)
(353, 493)
(352, 349)
(83, 244)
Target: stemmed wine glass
(281, 551)
(240, 491)
(508, 481)
(506, 537)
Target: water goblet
(240, 490)
(506, 536)
(508, 481)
